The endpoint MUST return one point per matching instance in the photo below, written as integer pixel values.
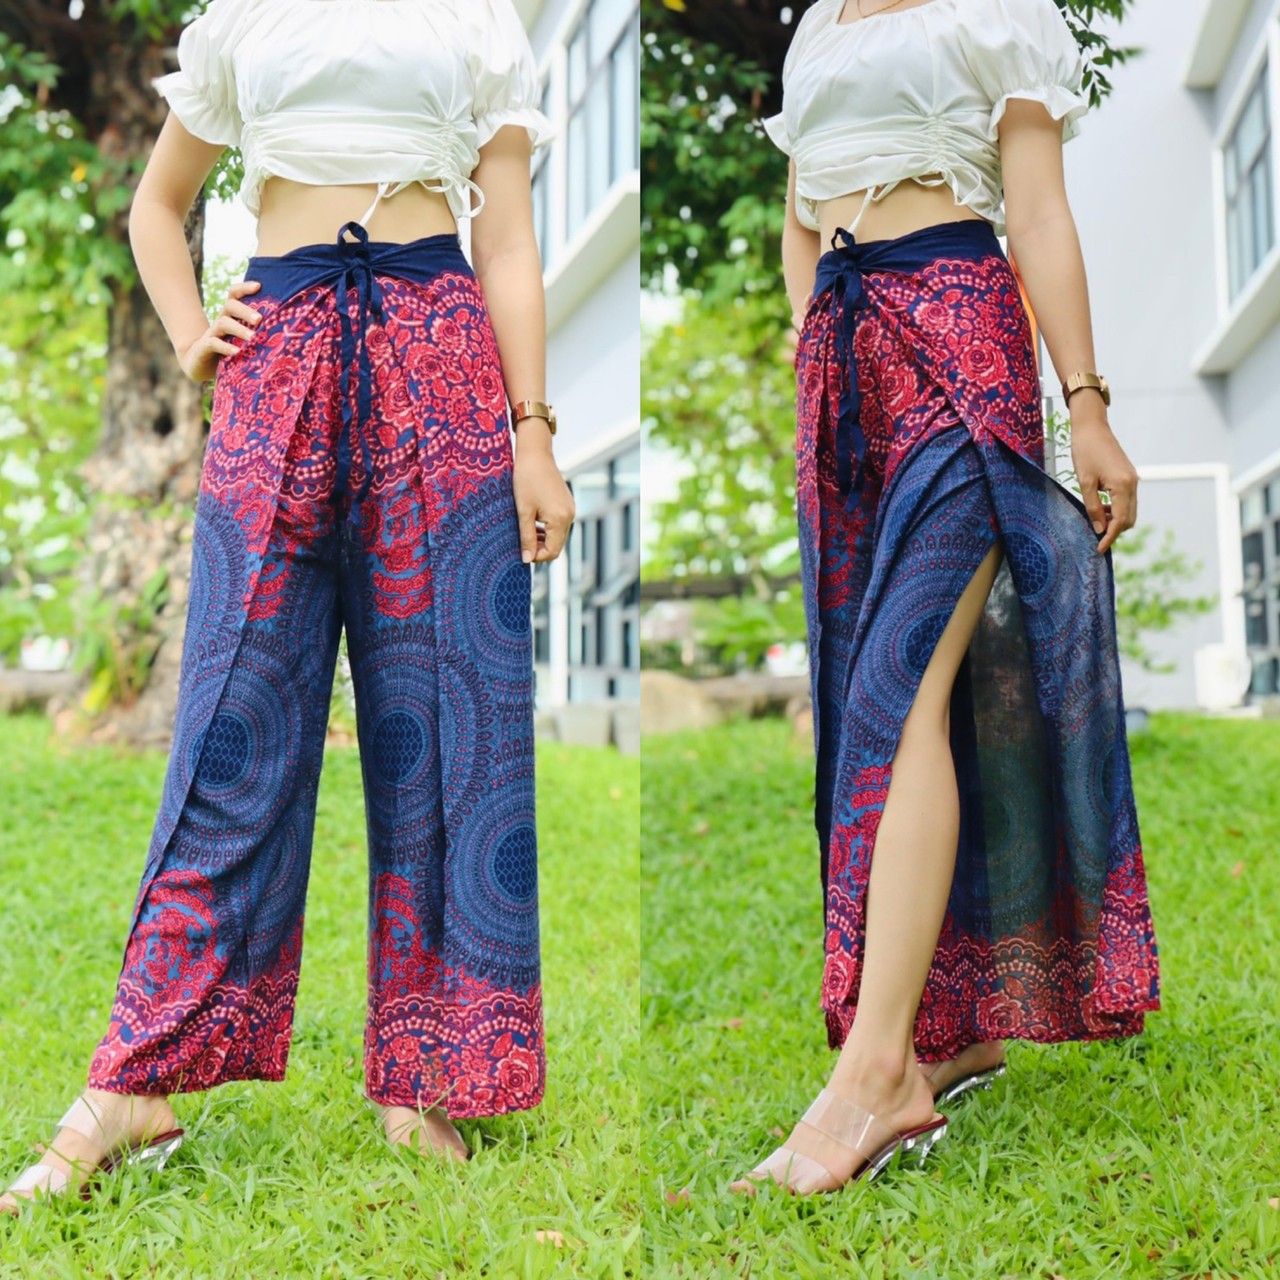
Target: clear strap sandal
(842, 1128)
(81, 1118)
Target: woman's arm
(1043, 240)
(175, 172)
(801, 249)
(504, 252)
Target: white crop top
(911, 92)
(345, 91)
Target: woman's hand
(199, 359)
(1100, 463)
(541, 494)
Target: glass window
(541, 616)
(1251, 508)
(1266, 676)
(1255, 615)
(603, 137)
(542, 171)
(604, 579)
(1249, 186)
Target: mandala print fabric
(404, 531)
(920, 442)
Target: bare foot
(874, 1102)
(423, 1130)
(125, 1119)
(976, 1057)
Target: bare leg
(126, 1118)
(911, 874)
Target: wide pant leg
(436, 601)
(1047, 934)
(423, 568)
(207, 987)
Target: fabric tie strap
(358, 274)
(840, 277)
(357, 265)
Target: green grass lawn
(1156, 1156)
(295, 1179)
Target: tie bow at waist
(354, 266)
(840, 276)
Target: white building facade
(1173, 182)
(587, 207)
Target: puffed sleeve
(506, 86)
(202, 92)
(1024, 49)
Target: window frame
(1263, 61)
(584, 594)
(598, 68)
(1262, 526)
(563, 234)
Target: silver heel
(156, 1155)
(917, 1149)
(979, 1080)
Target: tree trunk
(146, 470)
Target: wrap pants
(358, 475)
(919, 445)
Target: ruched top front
(352, 91)
(911, 92)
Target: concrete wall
(593, 340)
(1252, 393)
(1139, 181)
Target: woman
(968, 718)
(360, 472)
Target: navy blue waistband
(840, 273)
(962, 238)
(282, 275)
(355, 264)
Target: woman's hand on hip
(200, 358)
(1100, 463)
(541, 495)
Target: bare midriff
(297, 213)
(908, 207)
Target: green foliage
(59, 192)
(738, 630)
(117, 642)
(711, 208)
(1139, 1158)
(1148, 597)
(718, 392)
(62, 195)
(52, 367)
(65, 186)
